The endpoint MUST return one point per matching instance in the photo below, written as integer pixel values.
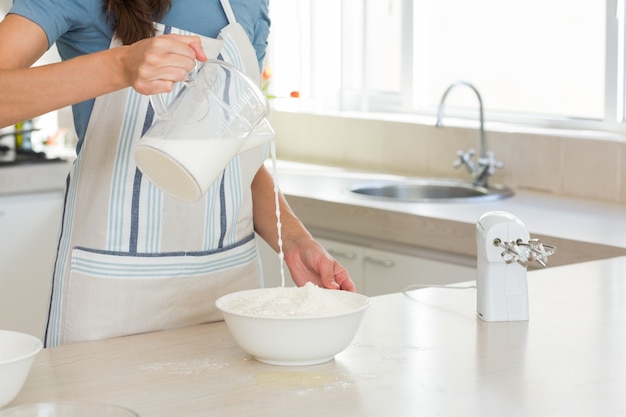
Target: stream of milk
(281, 255)
(185, 168)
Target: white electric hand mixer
(504, 249)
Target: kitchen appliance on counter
(504, 250)
(17, 147)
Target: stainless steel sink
(429, 190)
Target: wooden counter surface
(423, 353)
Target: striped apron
(130, 258)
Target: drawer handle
(340, 254)
(382, 262)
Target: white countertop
(422, 354)
(33, 177)
(582, 230)
(569, 218)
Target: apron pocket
(117, 294)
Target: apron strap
(230, 15)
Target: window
(545, 62)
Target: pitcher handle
(158, 100)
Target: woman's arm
(306, 259)
(150, 66)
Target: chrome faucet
(486, 164)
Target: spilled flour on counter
(306, 301)
(187, 367)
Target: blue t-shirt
(80, 27)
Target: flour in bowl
(306, 301)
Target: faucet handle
(464, 158)
(490, 163)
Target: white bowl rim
(220, 301)
(38, 346)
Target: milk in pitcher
(185, 168)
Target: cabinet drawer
(29, 226)
(386, 272)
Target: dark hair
(133, 19)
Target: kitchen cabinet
(29, 226)
(377, 271)
(387, 272)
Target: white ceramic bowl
(293, 326)
(17, 353)
(68, 409)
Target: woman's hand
(154, 65)
(308, 261)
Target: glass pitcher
(218, 113)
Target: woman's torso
(132, 259)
